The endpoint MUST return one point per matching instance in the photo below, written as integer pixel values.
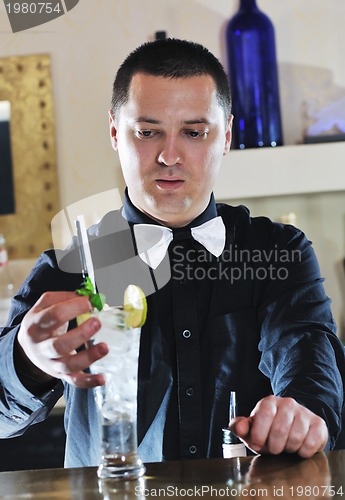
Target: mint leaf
(86, 287)
(82, 291)
(96, 299)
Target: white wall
(88, 44)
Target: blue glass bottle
(253, 78)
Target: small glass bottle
(253, 78)
(232, 445)
(6, 283)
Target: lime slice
(135, 305)
(83, 317)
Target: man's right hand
(51, 350)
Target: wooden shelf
(312, 168)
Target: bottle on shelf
(253, 77)
(6, 283)
(160, 35)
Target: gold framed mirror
(25, 83)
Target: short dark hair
(171, 58)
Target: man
(244, 308)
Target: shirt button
(193, 449)
(186, 334)
(190, 391)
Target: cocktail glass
(117, 399)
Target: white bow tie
(153, 241)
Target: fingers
(85, 380)
(45, 341)
(265, 413)
(65, 344)
(299, 429)
(316, 438)
(50, 298)
(48, 316)
(75, 362)
(272, 424)
(241, 426)
(58, 354)
(279, 425)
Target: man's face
(171, 136)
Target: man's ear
(112, 130)
(228, 135)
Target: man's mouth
(169, 184)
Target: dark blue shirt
(255, 320)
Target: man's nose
(170, 154)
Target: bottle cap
(160, 35)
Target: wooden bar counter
(287, 477)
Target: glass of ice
(117, 399)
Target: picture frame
(25, 81)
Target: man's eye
(144, 134)
(196, 134)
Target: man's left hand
(281, 424)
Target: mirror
(28, 178)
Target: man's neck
(173, 223)
(135, 215)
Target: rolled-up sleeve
(19, 408)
